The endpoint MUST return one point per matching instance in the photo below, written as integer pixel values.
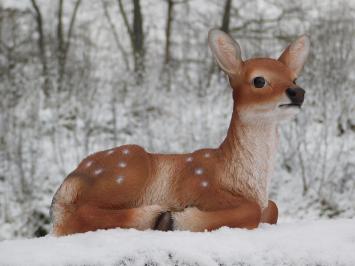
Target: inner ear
(226, 51)
(295, 55)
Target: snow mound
(330, 242)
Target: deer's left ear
(226, 51)
(295, 55)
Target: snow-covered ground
(327, 242)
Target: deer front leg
(247, 215)
(270, 214)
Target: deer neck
(249, 151)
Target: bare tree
(225, 27)
(168, 28)
(136, 35)
(42, 48)
(226, 16)
(119, 45)
(64, 41)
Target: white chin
(288, 112)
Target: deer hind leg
(89, 218)
(270, 214)
(247, 215)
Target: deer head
(263, 88)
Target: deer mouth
(290, 105)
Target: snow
(323, 242)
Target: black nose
(296, 95)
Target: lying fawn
(128, 187)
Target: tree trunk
(136, 36)
(60, 47)
(226, 16)
(224, 27)
(138, 40)
(169, 20)
(64, 43)
(119, 45)
(42, 49)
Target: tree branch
(226, 16)
(71, 25)
(115, 35)
(60, 26)
(125, 20)
(169, 21)
(41, 46)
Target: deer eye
(259, 82)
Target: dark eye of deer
(259, 82)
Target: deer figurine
(128, 187)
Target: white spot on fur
(110, 152)
(125, 151)
(88, 164)
(98, 171)
(189, 159)
(122, 164)
(207, 155)
(199, 171)
(120, 179)
(204, 183)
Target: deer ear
(226, 51)
(295, 55)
